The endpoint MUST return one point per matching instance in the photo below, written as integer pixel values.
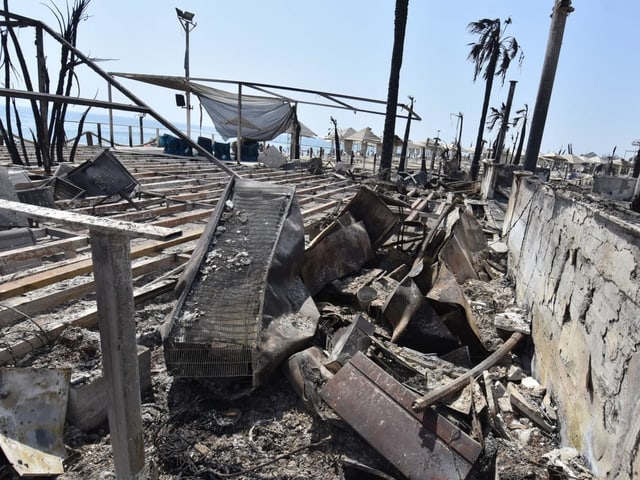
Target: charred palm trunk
(477, 153)
(400, 26)
(561, 11)
(523, 132)
(336, 138)
(42, 114)
(504, 126)
(25, 156)
(56, 122)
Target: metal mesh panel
(216, 332)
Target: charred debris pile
(400, 328)
(392, 320)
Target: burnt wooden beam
(38, 251)
(86, 319)
(95, 224)
(84, 266)
(20, 307)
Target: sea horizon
(126, 130)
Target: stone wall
(616, 188)
(575, 267)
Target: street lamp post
(186, 20)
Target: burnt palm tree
(636, 159)
(400, 26)
(491, 55)
(497, 116)
(521, 115)
(69, 25)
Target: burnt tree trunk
(561, 11)
(488, 86)
(400, 26)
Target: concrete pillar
(518, 178)
(489, 179)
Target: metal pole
(111, 134)
(459, 149)
(434, 152)
(186, 74)
(186, 20)
(239, 139)
(405, 143)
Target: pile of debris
(398, 353)
(375, 344)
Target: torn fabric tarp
(260, 118)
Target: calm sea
(127, 131)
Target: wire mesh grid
(217, 330)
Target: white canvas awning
(262, 118)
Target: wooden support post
(112, 273)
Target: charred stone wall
(575, 266)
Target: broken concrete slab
(574, 262)
(8, 192)
(530, 410)
(614, 187)
(513, 320)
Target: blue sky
(345, 47)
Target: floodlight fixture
(184, 15)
